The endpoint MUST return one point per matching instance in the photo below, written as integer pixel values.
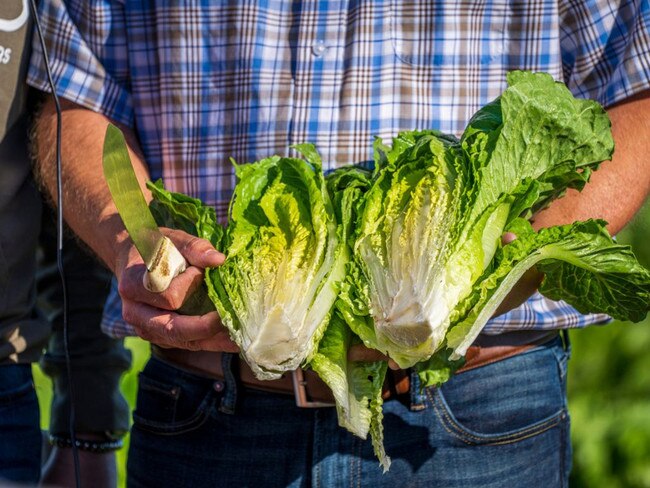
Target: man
(26, 315)
(192, 86)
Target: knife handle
(166, 266)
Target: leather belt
(310, 391)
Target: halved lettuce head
(284, 259)
(428, 267)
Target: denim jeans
(501, 425)
(20, 433)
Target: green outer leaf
(377, 429)
(438, 369)
(601, 278)
(582, 265)
(179, 211)
(357, 386)
(546, 134)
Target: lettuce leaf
(357, 386)
(581, 264)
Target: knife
(163, 261)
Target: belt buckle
(300, 392)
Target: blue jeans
(501, 425)
(20, 432)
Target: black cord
(59, 243)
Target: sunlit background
(609, 392)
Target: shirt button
(218, 386)
(319, 48)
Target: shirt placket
(318, 77)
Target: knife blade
(163, 261)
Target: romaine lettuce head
(427, 254)
(284, 258)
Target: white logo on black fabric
(5, 55)
(11, 25)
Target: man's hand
(90, 212)
(153, 314)
(359, 352)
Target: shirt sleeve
(605, 48)
(87, 47)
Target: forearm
(618, 189)
(87, 205)
(89, 210)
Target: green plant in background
(609, 392)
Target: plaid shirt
(202, 81)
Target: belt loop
(229, 399)
(418, 397)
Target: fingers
(508, 237)
(359, 352)
(169, 329)
(130, 287)
(152, 314)
(220, 342)
(198, 252)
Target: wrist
(122, 248)
(88, 442)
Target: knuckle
(170, 331)
(192, 346)
(144, 333)
(130, 280)
(128, 313)
(123, 287)
(174, 300)
(166, 301)
(193, 245)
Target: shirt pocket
(449, 33)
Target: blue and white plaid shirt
(205, 80)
